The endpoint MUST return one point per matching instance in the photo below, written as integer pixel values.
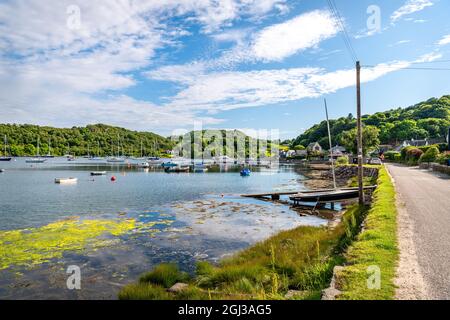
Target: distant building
(419, 143)
(314, 147)
(301, 153)
(338, 151)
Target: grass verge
(374, 249)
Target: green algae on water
(30, 247)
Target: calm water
(209, 218)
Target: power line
(434, 61)
(345, 36)
(408, 68)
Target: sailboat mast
(4, 145)
(331, 146)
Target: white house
(314, 147)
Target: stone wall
(435, 167)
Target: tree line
(95, 140)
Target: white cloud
(51, 74)
(399, 43)
(444, 41)
(226, 90)
(219, 91)
(302, 32)
(410, 6)
(273, 43)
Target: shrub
(442, 147)
(393, 155)
(299, 147)
(342, 160)
(166, 274)
(430, 155)
(413, 155)
(405, 150)
(443, 158)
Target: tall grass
(165, 275)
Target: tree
(370, 139)
(430, 155)
(299, 147)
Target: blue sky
(246, 64)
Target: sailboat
(38, 158)
(117, 159)
(49, 153)
(5, 157)
(98, 153)
(154, 159)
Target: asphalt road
(427, 198)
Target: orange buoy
(113, 178)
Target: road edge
(409, 280)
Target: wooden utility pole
(331, 146)
(359, 128)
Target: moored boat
(98, 173)
(169, 164)
(200, 168)
(5, 157)
(143, 165)
(35, 160)
(66, 180)
(177, 169)
(245, 172)
(115, 160)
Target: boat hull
(66, 180)
(326, 196)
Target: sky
(165, 66)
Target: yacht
(5, 157)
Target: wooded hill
(428, 119)
(98, 140)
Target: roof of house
(312, 144)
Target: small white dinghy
(66, 180)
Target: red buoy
(113, 178)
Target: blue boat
(168, 164)
(245, 172)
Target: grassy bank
(301, 259)
(375, 246)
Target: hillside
(210, 139)
(428, 119)
(99, 139)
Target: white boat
(115, 160)
(5, 157)
(98, 173)
(143, 165)
(223, 159)
(200, 168)
(66, 180)
(38, 158)
(2, 170)
(35, 160)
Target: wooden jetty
(321, 194)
